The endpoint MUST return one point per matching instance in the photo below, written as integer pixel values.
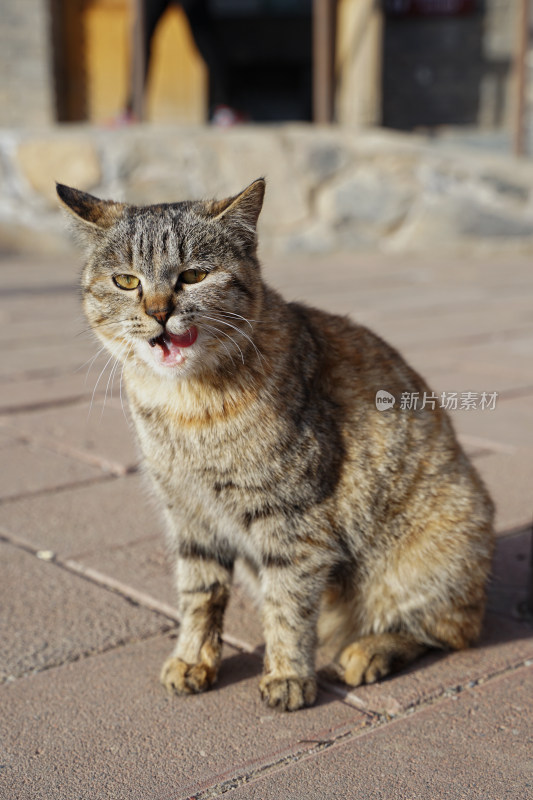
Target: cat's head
(173, 287)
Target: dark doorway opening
(265, 51)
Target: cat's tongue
(168, 346)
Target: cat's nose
(159, 313)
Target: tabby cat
(258, 426)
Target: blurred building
(26, 63)
(402, 63)
(448, 62)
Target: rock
(477, 221)
(317, 153)
(504, 186)
(328, 187)
(249, 153)
(368, 197)
(166, 169)
(460, 223)
(71, 161)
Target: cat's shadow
(238, 668)
(241, 667)
(499, 631)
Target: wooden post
(324, 14)
(138, 66)
(521, 78)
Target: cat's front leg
(203, 590)
(290, 612)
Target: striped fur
(368, 530)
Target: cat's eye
(126, 281)
(192, 276)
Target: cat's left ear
(242, 211)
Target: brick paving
(87, 606)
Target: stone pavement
(87, 612)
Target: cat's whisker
(223, 322)
(223, 333)
(212, 328)
(111, 357)
(229, 337)
(111, 377)
(107, 388)
(238, 316)
(95, 326)
(97, 382)
(89, 361)
(120, 382)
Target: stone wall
(26, 88)
(328, 188)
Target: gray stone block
(50, 616)
(369, 199)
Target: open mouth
(168, 346)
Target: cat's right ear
(91, 216)
(241, 212)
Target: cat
(259, 428)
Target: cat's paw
(359, 664)
(373, 657)
(288, 694)
(181, 678)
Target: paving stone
(18, 335)
(364, 275)
(22, 272)
(65, 344)
(99, 430)
(50, 616)
(472, 747)
(41, 359)
(509, 478)
(512, 356)
(17, 395)
(466, 325)
(85, 520)
(112, 527)
(510, 423)
(104, 729)
(46, 303)
(7, 439)
(28, 469)
(115, 528)
(461, 379)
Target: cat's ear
(242, 211)
(91, 216)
